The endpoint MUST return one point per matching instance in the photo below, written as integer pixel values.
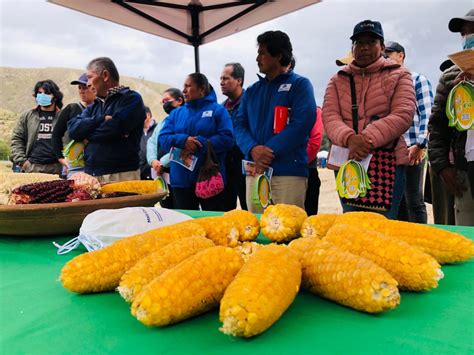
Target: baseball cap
(448, 63)
(394, 47)
(456, 23)
(348, 58)
(81, 81)
(368, 26)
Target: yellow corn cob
(282, 222)
(141, 187)
(154, 264)
(9, 181)
(246, 223)
(362, 216)
(318, 225)
(444, 246)
(221, 230)
(413, 269)
(247, 249)
(262, 290)
(192, 287)
(101, 270)
(345, 278)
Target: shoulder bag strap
(354, 108)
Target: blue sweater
(205, 119)
(254, 121)
(113, 145)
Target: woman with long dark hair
(189, 128)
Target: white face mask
(103, 227)
(468, 41)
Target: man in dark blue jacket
(112, 125)
(280, 92)
(232, 82)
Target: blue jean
(398, 190)
(413, 208)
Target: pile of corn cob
(46, 188)
(360, 260)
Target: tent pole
(196, 57)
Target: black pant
(235, 184)
(412, 207)
(312, 192)
(186, 199)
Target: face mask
(43, 99)
(468, 41)
(168, 107)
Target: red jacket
(315, 137)
(383, 89)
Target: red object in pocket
(280, 118)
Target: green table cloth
(38, 316)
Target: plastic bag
(103, 227)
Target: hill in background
(16, 90)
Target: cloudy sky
(37, 34)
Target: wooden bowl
(62, 218)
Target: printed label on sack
(284, 87)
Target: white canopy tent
(191, 22)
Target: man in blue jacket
(280, 92)
(112, 126)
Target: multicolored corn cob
(42, 192)
(141, 187)
(444, 246)
(261, 292)
(87, 183)
(192, 287)
(246, 223)
(9, 181)
(221, 230)
(318, 225)
(282, 222)
(154, 264)
(345, 278)
(413, 269)
(101, 270)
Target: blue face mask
(43, 99)
(468, 41)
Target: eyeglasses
(369, 42)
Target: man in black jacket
(445, 140)
(112, 125)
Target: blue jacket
(113, 145)
(205, 119)
(254, 121)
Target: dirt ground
(328, 198)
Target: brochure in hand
(187, 160)
(249, 168)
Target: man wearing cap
(446, 142)
(60, 136)
(112, 125)
(385, 100)
(413, 208)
